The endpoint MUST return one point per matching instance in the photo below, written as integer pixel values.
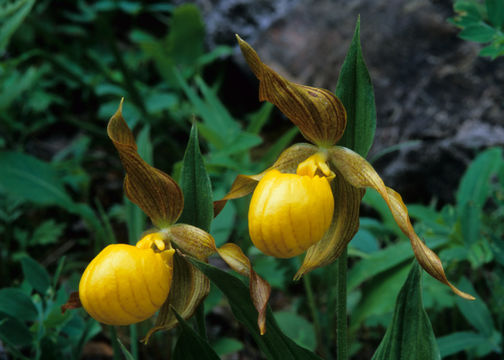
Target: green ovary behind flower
(289, 213)
(125, 284)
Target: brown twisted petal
(156, 193)
(344, 225)
(359, 173)
(260, 290)
(287, 162)
(318, 113)
(189, 287)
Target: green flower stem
(313, 309)
(134, 340)
(341, 311)
(115, 343)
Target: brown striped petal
(189, 287)
(156, 193)
(318, 113)
(359, 173)
(192, 240)
(260, 290)
(287, 162)
(345, 224)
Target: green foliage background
(63, 70)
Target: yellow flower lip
(290, 212)
(125, 284)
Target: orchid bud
(126, 284)
(290, 212)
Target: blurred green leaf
(17, 304)
(476, 312)
(383, 260)
(190, 345)
(297, 328)
(410, 335)
(473, 191)
(480, 32)
(36, 274)
(365, 241)
(12, 14)
(274, 344)
(31, 179)
(355, 91)
(495, 11)
(187, 32)
(125, 351)
(222, 225)
(196, 186)
(225, 346)
(459, 341)
(13, 331)
(15, 83)
(46, 233)
(469, 8)
(378, 295)
(259, 118)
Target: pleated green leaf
(410, 335)
(273, 344)
(196, 186)
(190, 345)
(355, 91)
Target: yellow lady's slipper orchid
(290, 212)
(125, 284)
(321, 117)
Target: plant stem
(115, 343)
(341, 313)
(313, 310)
(133, 341)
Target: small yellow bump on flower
(290, 212)
(125, 284)
(155, 238)
(316, 162)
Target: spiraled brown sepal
(318, 113)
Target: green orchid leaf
(355, 91)
(190, 345)
(410, 334)
(196, 186)
(274, 344)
